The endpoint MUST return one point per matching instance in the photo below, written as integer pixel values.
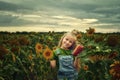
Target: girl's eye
(66, 39)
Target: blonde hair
(69, 33)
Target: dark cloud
(104, 11)
(9, 20)
(6, 19)
(6, 6)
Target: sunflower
(113, 55)
(99, 39)
(93, 58)
(79, 36)
(54, 48)
(77, 33)
(38, 48)
(85, 67)
(23, 40)
(115, 70)
(30, 56)
(112, 40)
(48, 53)
(90, 31)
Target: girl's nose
(67, 42)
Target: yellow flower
(111, 71)
(77, 33)
(115, 69)
(30, 56)
(79, 36)
(85, 67)
(90, 31)
(93, 58)
(48, 53)
(38, 48)
(113, 55)
(54, 48)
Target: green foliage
(17, 63)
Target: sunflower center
(47, 53)
(39, 47)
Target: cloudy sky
(59, 15)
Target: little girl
(63, 58)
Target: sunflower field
(26, 55)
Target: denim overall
(66, 68)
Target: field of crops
(26, 55)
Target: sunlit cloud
(59, 15)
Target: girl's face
(67, 42)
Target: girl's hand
(53, 63)
(77, 63)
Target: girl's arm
(77, 63)
(53, 63)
